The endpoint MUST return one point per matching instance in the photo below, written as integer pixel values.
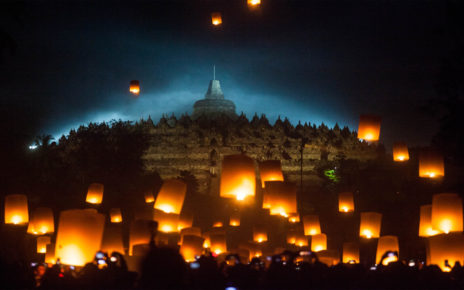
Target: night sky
(69, 63)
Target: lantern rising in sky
(319, 242)
(400, 152)
(218, 244)
(350, 253)
(192, 231)
(270, 170)
(148, 195)
(345, 202)
(369, 128)
(238, 178)
(281, 197)
(259, 234)
(425, 223)
(167, 222)
(445, 250)
(370, 225)
(234, 220)
(95, 193)
(115, 215)
(216, 18)
(294, 218)
(311, 225)
(431, 164)
(42, 243)
(252, 4)
(134, 87)
(16, 209)
(42, 221)
(447, 213)
(191, 247)
(385, 244)
(171, 196)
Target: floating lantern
(252, 4)
(445, 250)
(311, 225)
(270, 170)
(171, 196)
(301, 240)
(115, 215)
(216, 18)
(218, 243)
(79, 236)
(16, 210)
(185, 220)
(149, 197)
(291, 236)
(431, 164)
(234, 220)
(191, 247)
(350, 253)
(294, 218)
(192, 231)
(447, 212)
(329, 257)
(259, 234)
(400, 152)
(134, 87)
(218, 224)
(95, 193)
(112, 239)
(266, 201)
(369, 128)
(425, 224)
(42, 243)
(238, 178)
(370, 225)
(345, 202)
(42, 222)
(385, 244)
(281, 197)
(141, 231)
(318, 242)
(167, 222)
(50, 254)
(253, 249)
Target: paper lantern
(385, 244)
(400, 152)
(266, 200)
(270, 170)
(216, 18)
(16, 210)
(95, 193)
(370, 225)
(425, 224)
(42, 243)
(134, 87)
(259, 234)
(238, 178)
(291, 236)
(185, 220)
(218, 244)
(431, 164)
(41, 222)
(294, 218)
(112, 239)
(281, 197)
(318, 242)
(171, 196)
(447, 212)
(149, 197)
(254, 250)
(329, 257)
(218, 224)
(167, 222)
(191, 247)
(345, 202)
(350, 253)
(253, 4)
(192, 231)
(115, 215)
(311, 225)
(234, 220)
(369, 128)
(50, 254)
(141, 231)
(301, 240)
(79, 236)
(445, 250)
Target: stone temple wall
(198, 146)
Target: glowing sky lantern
(329, 257)
(191, 247)
(252, 4)
(291, 236)
(140, 233)
(350, 253)
(192, 231)
(318, 242)
(234, 220)
(50, 254)
(216, 18)
(254, 250)
(41, 222)
(345, 202)
(167, 222)
(400, 152)
(79, 236)
(95, 193)
(270, 170)
(42, 243)
(134, 87)
(281, 197)
(259, 234)
(431, 164)
(447, 213)
(16, 210)
(171, 196)
(148, 195)
(370, 225)
(185, 220)
(425, 224)
(369, 128)
(218, 244)
(218, 224)
(311, 225)
(445, 250)
(385, 244)
(301, 240)
(238, 178)
(115, 215)
(112, 239)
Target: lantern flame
(254, 2)
(367, 234)
(17, 219)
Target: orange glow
(369, 128)
(370, 225)
(270, 170)
(384, 244)
(234, 220)
(400, 152)
(425, 224)
(218, 243)
(115, 215)
(447, 213)
(216, 18)
(350, 253)
(294, 218)
(42, 222)
(167, 222)
(431, 164)
(319, 242)
(50, 254)
(42, 243)
(16, 210)
(191, 247)
(171, 196)
(311, 225)
(301, 240)
(345, 202)
(238, 178)
(134, 87)
(185, 220)
(253, 3)
(217, 224)
(445, 247)
(259, 234)
(149, 197)
(281, 197)
(192, 231)
(95, 193)
(112, 239)
(79, 236)
(140, 233)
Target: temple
(214, 104)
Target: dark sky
(68, 63)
